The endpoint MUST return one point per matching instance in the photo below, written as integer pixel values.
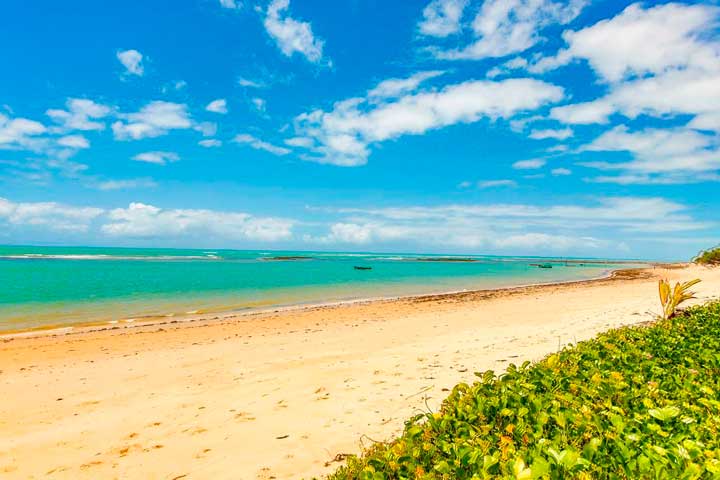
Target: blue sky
(587, 128)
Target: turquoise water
(48, 286)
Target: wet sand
(282, 395)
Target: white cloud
(207, 129)
(504, 27)
(217, 106)
(677, 73)
(259, 104)
(619, 48)
(74, 141)
(706, 121)
(231, 4)
(496, 183)
(153, 120)
(258, 144)
(559, 134)
(583, 113)
(20, 133)
(247, 83)
(302, 142)
(132, 61)
(531, 164)
(157, 157)
(442, 17)
(396, 87)
(557, 172)
(81, 114)
(291, 35)
(147, 221)
(50, 215)
(677, 151)
(127, 184)
(349, 233)
(210, 143)
(518, 228)
(344, 134)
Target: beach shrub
(670, 299)
(708, 257)
(637, 402)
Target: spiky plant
(670, 299)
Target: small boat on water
(362, 268)
(541, 265)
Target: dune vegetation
(636, 402)
(710, 256)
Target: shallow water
(50, 286)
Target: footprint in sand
(244, 417)
(124, 451)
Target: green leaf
(664, 414)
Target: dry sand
(281, 395)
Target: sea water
(42, 287)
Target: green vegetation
(671, 299)
(709, 257)
(638, 402)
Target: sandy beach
(282, 395)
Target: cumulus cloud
(146, 221)
(217, 106)
(504, 27)
(48, 215)
(677, 152)
(619, 49)
(132, 61)
(153, 120)
(81, 114)
(441, 18)
(74, 141)
(557, 172)
(20, 133)
(343, 135)
(258, 144)
(292, 36)
(677, 73)
(583, 113)
(157, 157)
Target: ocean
(47, 287)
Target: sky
(511, 127)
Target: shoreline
(188, 318)
(285, 395)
